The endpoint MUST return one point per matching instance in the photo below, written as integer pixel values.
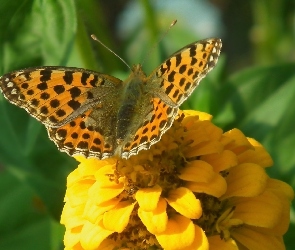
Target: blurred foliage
(252, 87)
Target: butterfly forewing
(179, 75)
(52, 94)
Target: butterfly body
(134, 95)
(97, 115)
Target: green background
(252, 87)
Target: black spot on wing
(45, 75)
(93, 81)
(75, 92)
(60, 113)
(42, 86)
(54, 103)
(84, 78)
(58, 89)
(68, 77)
(74, 104)
(44, 96)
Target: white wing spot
(18, 73)
(14, 92)
(10, 84)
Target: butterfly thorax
(134, 92)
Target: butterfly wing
(86, 136)
(155, 118)
(64, 99)
(54, 95)
(169, 86)
(180, 74)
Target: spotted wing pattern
(151, 128)
(78, 138)
(62, 99)
(181, 73)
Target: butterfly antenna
(159, 40)
(96, 39)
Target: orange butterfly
(97, 115)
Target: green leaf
(37, 33)
(23, 215)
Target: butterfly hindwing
(153, 125)
(80, 137)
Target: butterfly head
(137, 71)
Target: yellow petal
(285, 194)
(155, 221)
(180, 233)
(221, 161)
(255, 240)
(103, 174)
(78, 193)
(74, 177)
(257, 155)
(239, 144)
(148, 198)
(107, 244)
(72, 237)
(99, 195)
(185, 203)
(197, 171)
(246, 180)
(213, 132)
(72, 216)
(225, 140)
(202, 131)
(117, 219)
(261, 211)
(216, 187)
(92, 235)
(93, 212)
(268, 231)
(281, 188)
(202, 115)
(200, 241)
(190, 135)
(203, 148)
(216, 243)
(89, 167)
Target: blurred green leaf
(36, 33)
(25, 221)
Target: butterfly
(97, 115)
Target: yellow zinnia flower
(196, 188)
